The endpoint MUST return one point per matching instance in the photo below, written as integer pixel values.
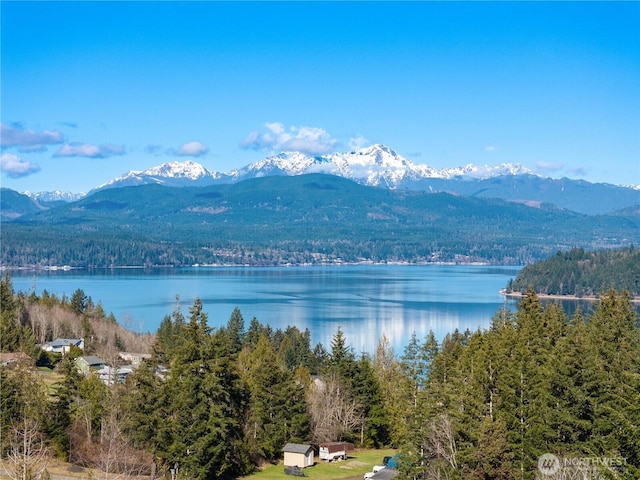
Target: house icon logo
(548, 464)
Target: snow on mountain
(484, 171)
(285, 163)
(189, 169)
(55, 196)
(377, 165)
(175, 174)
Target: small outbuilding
(87, 365)
(335, 450)
(298, 455)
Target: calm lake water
(366, 301)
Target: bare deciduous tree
(333, 412)
(441, 442)
(28, 455)
(117, 458)
(49, 322)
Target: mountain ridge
(373, 166)
(381, 166)
(304, 219)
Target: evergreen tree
(318, 360)
(78, 303)
(165, 342)
(203, 433)
(277, 406)
(341, 361)
(234, 332)
(11, 331)
(254, 332)
(99, 311)
(295, 348)
(573, 370)
(396, 393)
(615, 385)
(375, 426)
(413, 369)
(529, 412)
(493, 458)
(22, 396)
(65, 404)
(144, 402)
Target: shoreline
(52, 268)
(544, 296)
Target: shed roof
(296, 448)
(65, 342)
(92, 360)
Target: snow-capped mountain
(380, 166)
(376, 165)
(285, 163)
(485, 171)
(55, 196)
(172, 174)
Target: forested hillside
(293, 220)
(215, 403)
(582, 273)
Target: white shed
(298, 455)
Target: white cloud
(276, 127)
(89, 151)
(309, 140)
(251, 141)
(358, 142)
(192, 149)
(490, 148)
(16, 136)
(15, 167)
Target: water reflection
(364, 301)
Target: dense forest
(216, 403)
(582, 273)
(308, 219)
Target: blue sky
(92, 90)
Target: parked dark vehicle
(295, 471)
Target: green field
(354, 467)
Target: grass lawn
(354, 467)
(50, 378)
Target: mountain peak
(472, 171)
(375, 165)
(187, 169)
(176, 174)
